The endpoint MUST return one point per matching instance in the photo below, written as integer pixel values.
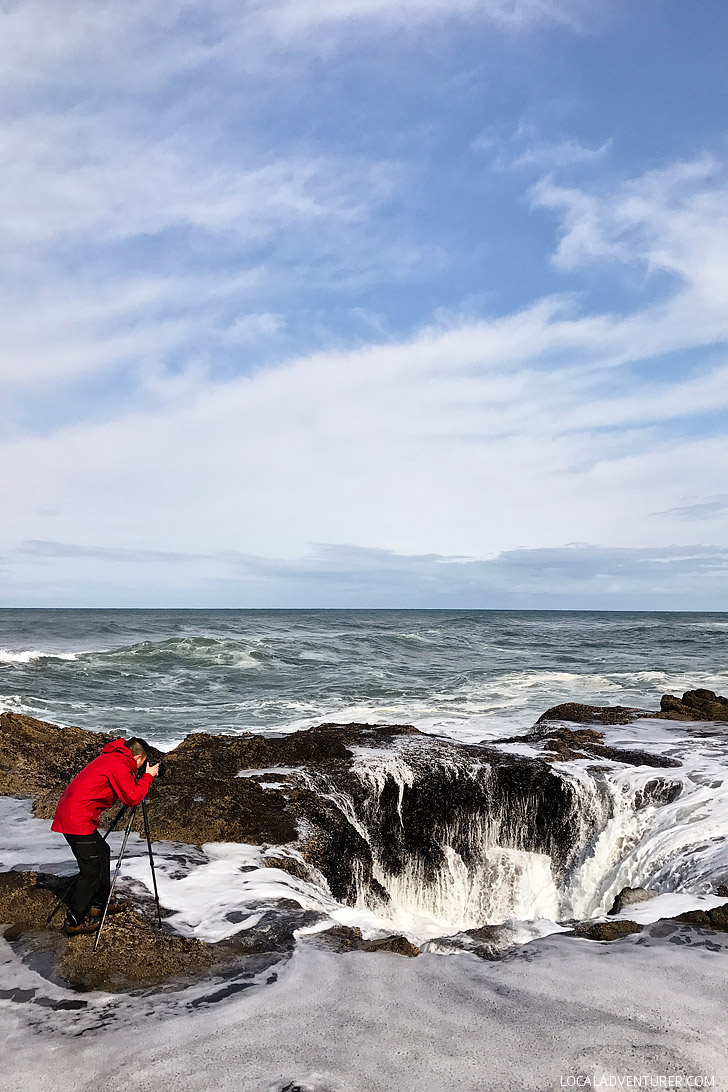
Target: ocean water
(467, 674)
(359, 1022)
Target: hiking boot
(116, 906)
(73, 928)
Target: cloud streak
(577, 576)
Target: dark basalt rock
(605, 930)
(397, 945)
(717, 918)
(562, 744)
(697, 704)
(694, 705)
(656, 793)
(531, 807)
(343, 938)
(630, 896)
(592, 714)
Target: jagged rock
(722, 890)
(397, 944)
(697, 704)
(343, 938)
(562, 744)
(339, 938)
(694, 705)
(291, 865)
(605, 930)
(656, 793)
(453, 788)
(592, 714)
(630, 896)
(717, 918)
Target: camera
(154, 756)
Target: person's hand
(153, 770)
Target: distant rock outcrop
(694, 705)
(592, 714)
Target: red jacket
(99, 785)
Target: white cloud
(70, 180)
(456, 442)
(673, 220)
(139, 45)
(472, 440)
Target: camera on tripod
(154, 757)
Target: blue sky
(364, 303)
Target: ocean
(543, 1008)
(469, 675)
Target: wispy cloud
(673, 220)
(709, 509)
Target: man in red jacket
(106, 780)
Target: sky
(364, 303)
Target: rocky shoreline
(284, 794)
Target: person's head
(138, 748)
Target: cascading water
(459, 840)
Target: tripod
(118, 864)
(67, 890)
(62, 898)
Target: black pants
(93, 885)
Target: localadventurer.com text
(638, 1080)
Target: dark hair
(137, 746)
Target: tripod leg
(151, 861)
(115, 821)
(115, 876)
(61, 901)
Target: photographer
(106, 780)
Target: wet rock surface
(631, 896)
(343, 938)
(605, 930)
(591, 714)
(717, 918)
(697, 704)
(562, 744)
(132, 951)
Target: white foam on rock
(667, 905)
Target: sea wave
(30, 655)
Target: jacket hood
(118, 747)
